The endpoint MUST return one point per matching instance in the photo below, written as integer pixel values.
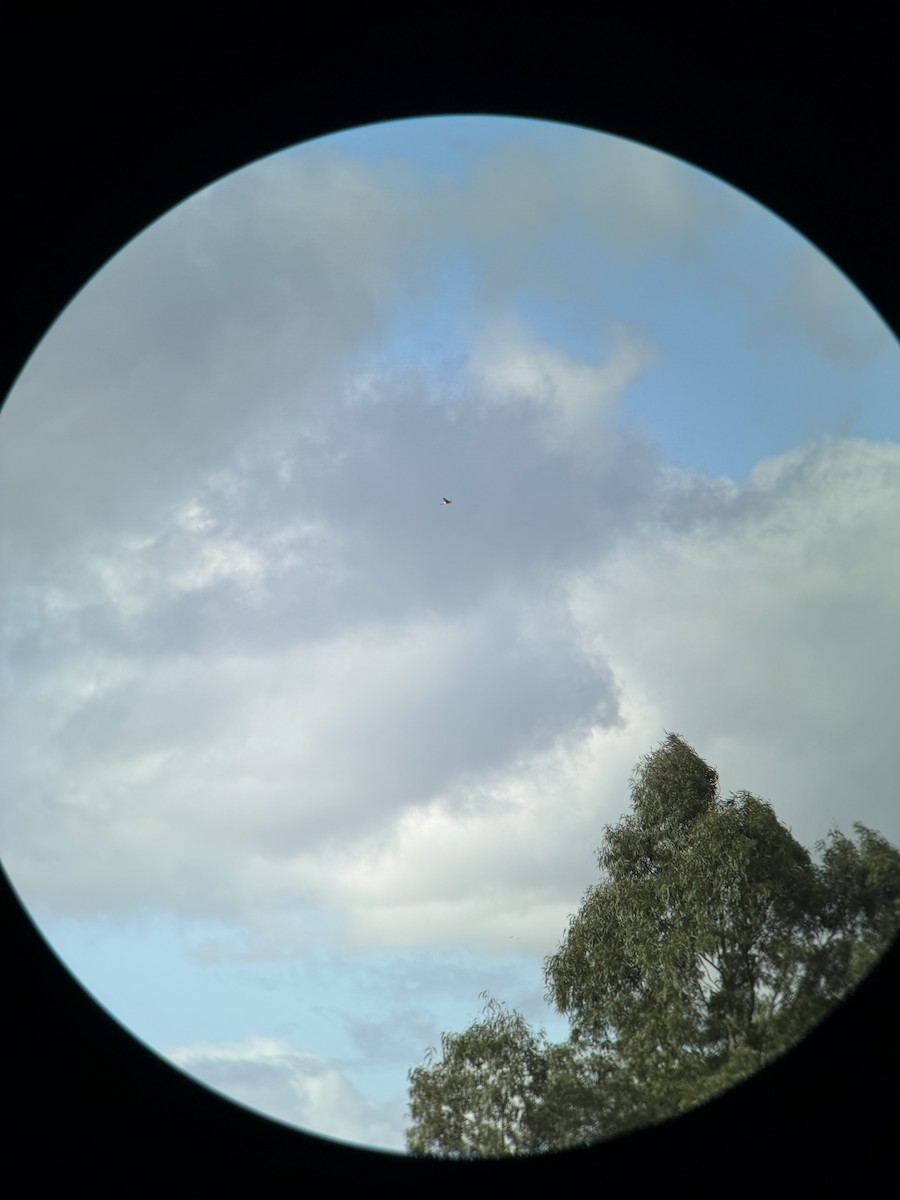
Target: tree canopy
(712, 942)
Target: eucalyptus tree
(710, 944)
(679, 956)
(480, 1097)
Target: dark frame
(112, 119)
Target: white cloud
(274, 1077)
(761, 631)
(240, 760)
(766, 631)
(509, 365)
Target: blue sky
(300, 762)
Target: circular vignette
(182, 179)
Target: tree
(712, 943)
(501, 1089)
(674, 960)
(481, 1097)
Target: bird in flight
(444, 500)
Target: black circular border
(113, 118)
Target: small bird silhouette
(446, 501)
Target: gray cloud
(402, 774)
(241, 635)
(256, 297)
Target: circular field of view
(447, 571)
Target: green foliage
(480, 1098)
(500, 1089)
(711, 943)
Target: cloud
(402, 756)
(217, 762)
(509, 365)
(525, 201)
(820, 304)
(764, 630)
(754, 620)
(235, 325)
(272, 1076)
(251, 298)
(253, 668)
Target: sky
(299, 761)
